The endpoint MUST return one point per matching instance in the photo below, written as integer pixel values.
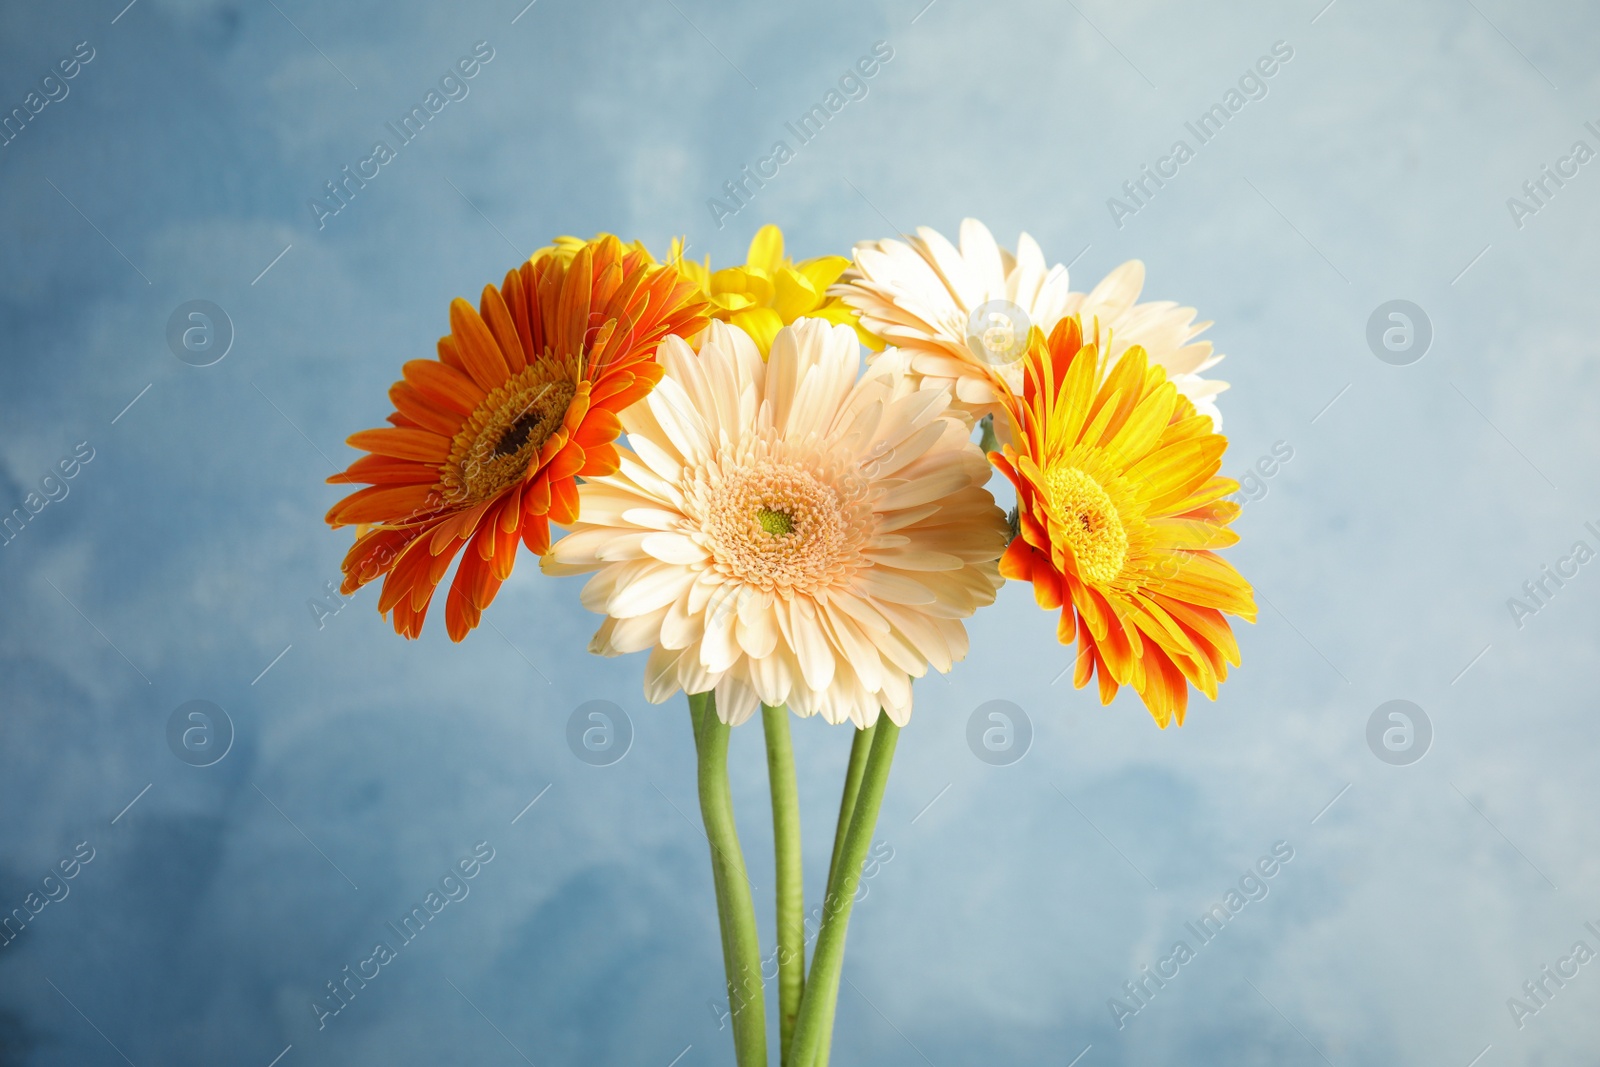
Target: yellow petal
(766, 249)
(794, 295)
(837, 311)
(741, 281)
(727, 303)
(762, 324)
(823, 271)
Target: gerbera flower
(1119, 509)
(784, 532)
(964, 314)
(770, 291)
(487, 441)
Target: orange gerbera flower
(1118, 510)
(488, 440)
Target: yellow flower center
(493, 448)
(1088, 522)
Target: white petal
(736, 699)
(670, 548)
(981, 253)
(651, 587)
(811, 648)
(661, 675)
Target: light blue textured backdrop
(1377, 166)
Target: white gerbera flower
(922, 295)
(788, 532)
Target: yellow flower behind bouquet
(770, 291)
(762, 296)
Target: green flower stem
(740, 942)
(988, 441)
(859, 747)
(812, 1034)
(697, 712)
(791, 885)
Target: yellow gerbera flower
(1119, 508)
(770, 291)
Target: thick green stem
(697, 713)
(859, 747)
(740, 943)
(822, 992)
(791, 884)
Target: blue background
(1384, 552)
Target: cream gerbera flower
(786, 532)
(923, 294)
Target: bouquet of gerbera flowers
(771, 473)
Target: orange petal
(450, 354)
(1017, 562)
(381, 503)
(536, 495)
(408, 569)
(570, 325)
(536, 533)
(373, 555)
(497, 316)
(1046, 587)
(600, 460)
(443, 384)
(420, 445)
(563, 501)
(507, 531)
(517, 298)
(567, 462)
(410, 402)
(480, 353)
(385, 470)
(1066, 628)
(599, 427)
(472, 590)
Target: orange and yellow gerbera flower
(1119, 509)
(487, 441)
